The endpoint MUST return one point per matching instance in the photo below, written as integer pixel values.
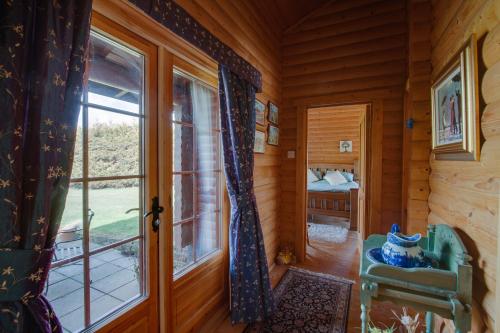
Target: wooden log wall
(326, 127)
(417, 140)
(201, 301)
(347, 52)
(465, 195)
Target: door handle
(156, 209)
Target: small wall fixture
(409, 123)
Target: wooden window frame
(209, 79)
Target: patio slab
(126, 292)
(99, 273)
(73, 321)
(114, 281)
(110, 255)
(102, 306)
(73, 301)
(126, 262)
(54, 277)
(70, 270)
(62, 288)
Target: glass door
(104, 271)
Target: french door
(105, 272)
(148, 136)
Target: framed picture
(260, 142)
(273, 135)
(345, 146)
(260, 112)
(273, 113)
(455, 107)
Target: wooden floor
(337, 259)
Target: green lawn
(109, 206)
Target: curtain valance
(178, 20)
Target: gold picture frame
(455, 107)
(260, 142)
(273, 114)
(260, 113)
(273, 135)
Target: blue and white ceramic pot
(401, 250)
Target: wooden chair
(446, 291)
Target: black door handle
(156, 209)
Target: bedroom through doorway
(336, 175)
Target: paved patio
(113, 282)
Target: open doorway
(336, 183)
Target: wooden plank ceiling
(282, 14)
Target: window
(196, 171)
(99, 259)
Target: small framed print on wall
(273, 113)
(260, 142)
(345, 146)
(455, 107)
(273, 135)
(260, 113)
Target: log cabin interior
(157, 158)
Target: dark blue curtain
(251, 294)
(42, 60)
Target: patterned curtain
(42, 61)
(251, 294)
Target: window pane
(183, 197)
(208, 155)
(205, 107)
(196, 146)
(208, 192)
(117, 277)
(114, 144)
(115, 206)
(183, 140)
(70, 235)
(64, 290)
(116, 75)
(183, 246)
(207, 234)
(183, 105)
(77, 169)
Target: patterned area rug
(308, 302)
(327, 233)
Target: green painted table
(445, 290)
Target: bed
(337, 200)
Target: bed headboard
(321, 169)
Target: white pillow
(311, 177)
(335, 178)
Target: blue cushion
(349, 176)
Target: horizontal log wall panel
(345, 52)
(352, 25)
(466, 195)
(350, 61)
(350, 52)
(240, 25)
(418, 139)
(383, 31)
(326, 127)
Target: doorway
(333, 168)
(333, 157)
